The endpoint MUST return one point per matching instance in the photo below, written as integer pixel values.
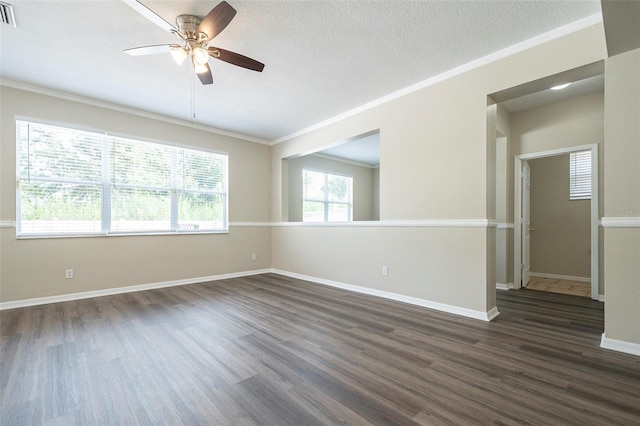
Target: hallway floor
(575, 288)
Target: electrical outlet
(69, 274)
(254, 256)
(385, 271)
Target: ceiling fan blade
(150, 15)
(150, 50)
(216, 21)
(236, 59)
(205, 77)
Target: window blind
(79, 182)
(580, 175)
(59, 179)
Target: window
(580, 175)
(326, 197)
(73, 182)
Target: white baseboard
(484, 316)
(503, 286)
(601, 298)
(619, 345)
(469, 313)
(120, 290)
(493, 312)
(560, 277)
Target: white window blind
(77, 182)
(326, 197)
(580, 175)
(59, 180)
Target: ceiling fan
(195, 33)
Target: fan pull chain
(193, 97)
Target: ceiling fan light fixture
(195, 33)
(199, 68)
(179, 54)
(200, 55)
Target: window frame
(326, 202)
(106, 186)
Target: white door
(526, 223)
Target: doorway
(523, 228)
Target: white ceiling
(364, 150)
(322, 58)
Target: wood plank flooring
(273, 350)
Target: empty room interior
(326, 212)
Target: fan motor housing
(188, 25)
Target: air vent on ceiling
(6, 14)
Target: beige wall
(561, 242)
(376, 193)
(504, 198)
(574, 122)
(363, 185)
(418, 258)
(35, 267)
(436, 166)
(622, 196)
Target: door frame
(517, 215)
(525, 230)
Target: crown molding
(493, 57)
(127, 110)
(343, 160)
(477, 63)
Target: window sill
(117, 234)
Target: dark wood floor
(274, 350)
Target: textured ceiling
(322, 58)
